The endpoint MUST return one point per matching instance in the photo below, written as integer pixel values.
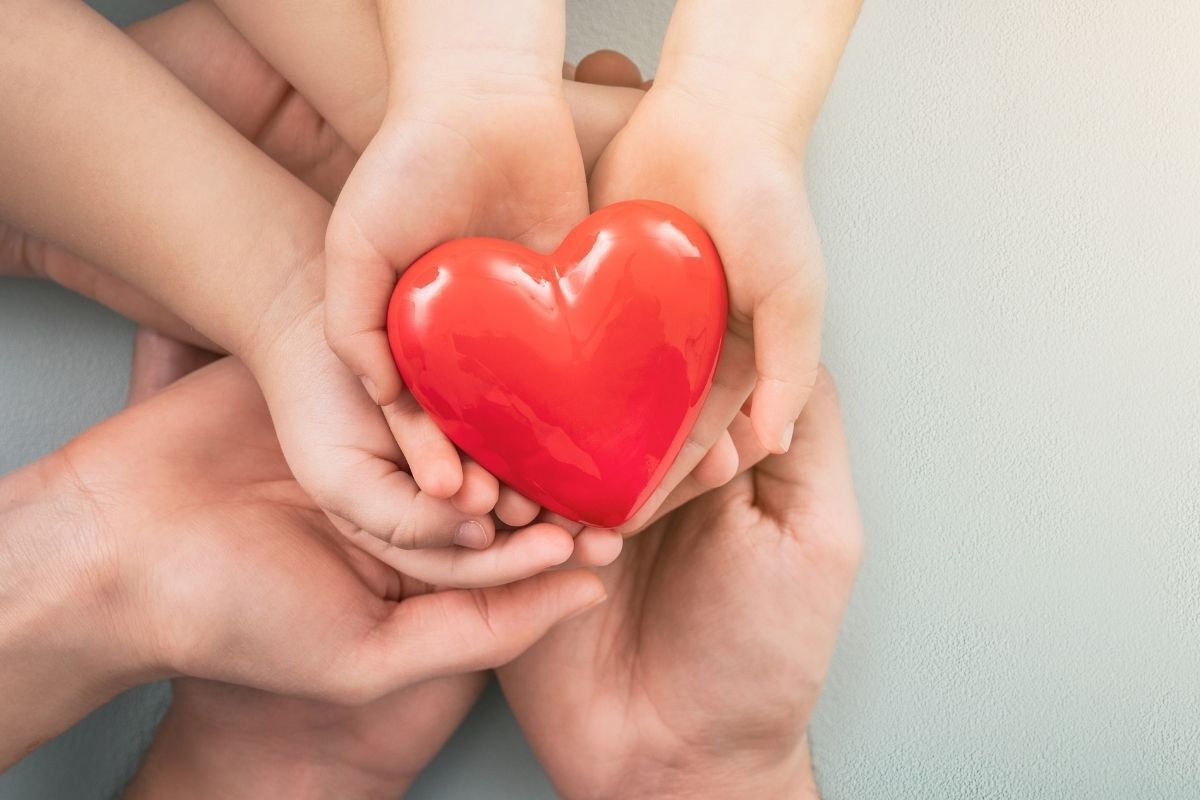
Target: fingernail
(369, 385)
(471, 534)
(785, 441)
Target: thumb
(452, 632)
(787, 350)
(359, 284)
(813, 480)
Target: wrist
(738, 101)
(64, 645)
(198, 754)
(474, 51)
(722, 774)
(277, 274)
(291, 319)
(774, 66)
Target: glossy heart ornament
(573, 377)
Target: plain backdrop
(1009, 195)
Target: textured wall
(1008, 193)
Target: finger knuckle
(405, 535)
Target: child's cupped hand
(445, 164)
(341, 447)
(740, 174)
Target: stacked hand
(297, 544)
(698, 676)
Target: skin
(323, 43)
(649, 695)
(107, 569)
(207, 54)
(744, 111)
(201, 49)
(222, 740)
(738, 93)
(241, 208)
(344, 38)
(482, 138)
(634, 698)
(190, 39)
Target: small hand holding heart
(575, 377)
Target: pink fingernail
(369, 385)
(785, 441)
(471, 534)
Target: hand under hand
(740, 180)
(722, 134)
(699, 675)
(203, 557)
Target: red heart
(573, 377)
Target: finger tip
(558, 543)
(772, 442)
(474, 535)
(442, 479)
(598, 548)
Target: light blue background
(1009, 195)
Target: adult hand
(222, 740)
(203, 557)
(698, 677)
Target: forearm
(57, 659)
(332, 52)
(773, 59)
(120, 163)
(472, 49)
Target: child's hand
(743, 181)
(494, 156)
(339, 445)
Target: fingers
(811, 486)
(596, 548)
(570, 526)
(432, 458)
(719, 464)
(787, 349)
(452, 632)
(748, 451)
(358, 287)
(515, 510)
(511, 557)
(373, 497)
(480, 491)
(731, 384)
(159, 361)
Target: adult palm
(698, 676)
